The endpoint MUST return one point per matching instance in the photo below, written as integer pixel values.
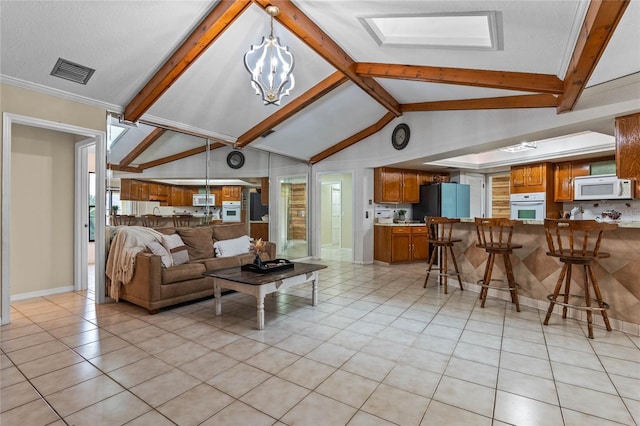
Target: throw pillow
(159, 250)
(229, 231)
(198, 241)
(175, 246)
(232, 247)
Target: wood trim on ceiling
(527, 82)
(180, 155)
(204, 34)
(506, 102)
(290, 109)
(142, 146)
(600, 22)
(365, 133)
(313, 36)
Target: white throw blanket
(125, 246)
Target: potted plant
(114, 210)
(401, 214)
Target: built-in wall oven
(231, 211)
(529, 206)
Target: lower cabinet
(395, 244)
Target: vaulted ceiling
(179, 65)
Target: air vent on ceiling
(267, 133)
(72, 71)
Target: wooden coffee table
(260, 285)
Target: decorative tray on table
(264, 267)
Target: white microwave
(602, 187)
(204, 200)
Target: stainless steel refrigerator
(442, 199)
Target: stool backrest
(151, 220)
(440, 228)
(182, 219)
(495, 232)
(575, 237)
(118, 219)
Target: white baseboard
(42, 293)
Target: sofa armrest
(147, 278)
(270, 249)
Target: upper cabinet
(264, 191)
(231, 193)
(401, 185)
(628, 147)
(563, 176)
(531, 178)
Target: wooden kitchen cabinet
(181, 196)
(627, 133)
(410, 186)
(396, 185)
(231, 193)
(264, 191)
(564, 174)
(563, 182)
(259, 230)
(396, 244)
(531, 178)
(387, 185)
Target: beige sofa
(154, 286)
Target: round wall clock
(235, 159)
(400, 136)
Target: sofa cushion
(199, 241)
(229, 231)
(175, 246)
(185, 272)
(232, 247)
(159, 250)
(228, 262)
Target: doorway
(292, 218)
(61, 256)
(336, 218)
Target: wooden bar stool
(151, 220)
(439, 231)
(122, 219)
(494, 236)
(182, 219)
(577, 242)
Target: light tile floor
(378, 350)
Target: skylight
(115, 132)
(472, 30)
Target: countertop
(399, 224)
(621, 224)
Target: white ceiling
(127, 41)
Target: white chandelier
(270, 66)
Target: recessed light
(522, 146)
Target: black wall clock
(400, 136)
(235, 159)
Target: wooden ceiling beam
(506, 102)
(600, 22)
(119, 168)
(362, 134)
(180, 155)
(527, 82)
(290, 109)
(313, 36)
(142, 146)
(208, 30)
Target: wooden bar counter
(537, 273)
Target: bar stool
(577, 242)
(122, 219)
(182, 219)
(151, 220)
(494, 236)
(439, 230)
